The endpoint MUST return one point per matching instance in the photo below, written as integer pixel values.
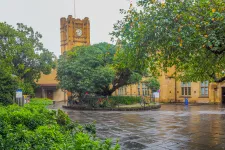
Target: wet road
(171, 127)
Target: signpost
(19, 97)
(19, 93)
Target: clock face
(79, 32)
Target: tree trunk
(120, 81)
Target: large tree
(23, 53)
(95, 69)
(8, 85)
(187, 34)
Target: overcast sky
(44, 16)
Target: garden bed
(120, 108)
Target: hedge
(35, 127)
(127, 100)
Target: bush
(127, 100)
(35, 127)
(8, 86)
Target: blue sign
(19, 93)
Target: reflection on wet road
(171, 127)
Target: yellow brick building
(172, 90)
(73, 32)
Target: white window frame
(204, 88)
(120, 91)
(186, 88)
(145, 90)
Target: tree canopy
(93, 69)
(153, 84)
(186, 34)
(23, 55)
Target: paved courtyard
(171, 127)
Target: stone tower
(74, 32)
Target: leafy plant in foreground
(36, 127)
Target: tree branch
(217, 80)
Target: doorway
(50, 94)
(223, 95)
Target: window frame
(204, 85)
(145, 90)
(186, 88)
(120, 91)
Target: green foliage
(35, 127)
(113, 101)
(62, 118)
(85, 69)
(186, 34)
(127, 100)
(92, 69)
(153, 84)
(23, 54)
(27, 88)
(85, 141)
(40, 102)
(91, 128)
(8, 86)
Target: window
(186, 88)
(205, 88)
(144, 89)
(148, 91)
(120, 91)
(139, 92)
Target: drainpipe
(175, 93)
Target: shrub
(40, 101)
(91, 128)
(127, 100)
(35, 127)
(62, 119)
(8, 86)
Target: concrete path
(174, 127)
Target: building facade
(172, 90)
(73, 32)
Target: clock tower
(74, 32)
